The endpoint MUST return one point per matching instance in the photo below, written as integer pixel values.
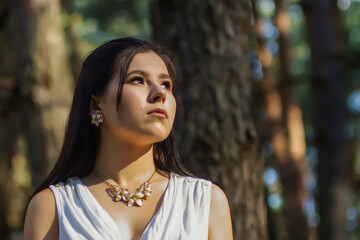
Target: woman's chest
(132, 221)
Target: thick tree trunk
(218, 139)
(6, 120)
(326, 45)
(35, 90)
(44, 82)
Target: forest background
(269, 102)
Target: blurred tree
(72, 41)
(218, 136)
(7, 117)
(326, 44)
(36, 86)
(43, 80)
(272, 127)
(103, 20)
(292, 164)
(284, 123)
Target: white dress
(184, 213)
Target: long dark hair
(78, 153)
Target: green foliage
(103, 20)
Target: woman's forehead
(148, 62)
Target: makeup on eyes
(142, 80)
(132, 79)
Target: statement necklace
(130, 198)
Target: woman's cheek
(173, 108)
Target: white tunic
(184, 213)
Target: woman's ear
(94, 105)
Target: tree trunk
(326, 46)
(72, 41)
(9, 124)
(35, 90)
(295, 166)
(6, 152)
(43, 79)
(218, 136)
(284, 126)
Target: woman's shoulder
(41, 216)
(220, 220)
(42, 204)
(217, 194)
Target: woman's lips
(158, 112)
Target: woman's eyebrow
(164, 76)
(138, 72)
(145, 74)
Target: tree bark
(326, 46)
(218, 136)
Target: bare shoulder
(218, 196)
(219, 219)
(41, 217)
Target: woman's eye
(166, 85)
(137, 80)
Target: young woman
(118, 175)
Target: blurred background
(268, 102)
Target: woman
(118, 175)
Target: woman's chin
(157, 134)
(148, 139)
(158, 139)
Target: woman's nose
(157, 94)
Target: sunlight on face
(147, 105)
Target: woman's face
(147, 105)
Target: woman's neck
(127, 164)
